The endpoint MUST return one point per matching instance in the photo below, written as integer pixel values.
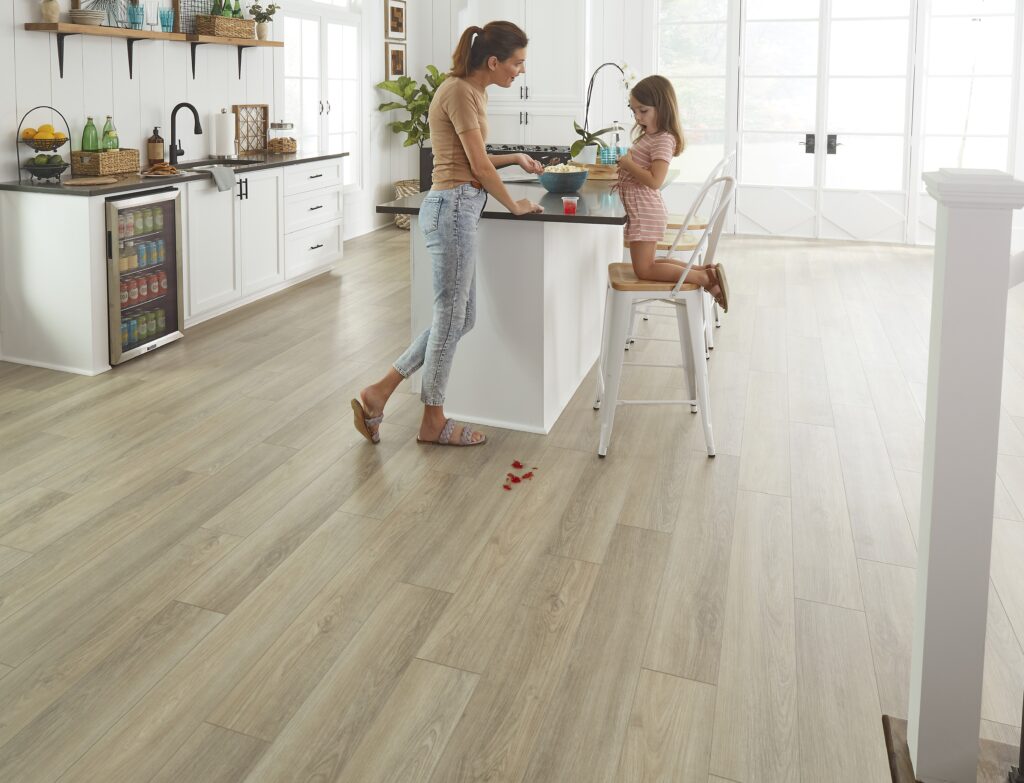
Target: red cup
(569, 204)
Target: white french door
(824, 109)
(322, 85)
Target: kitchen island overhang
(541, 282)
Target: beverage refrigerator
(144, 261)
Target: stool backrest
(721, 190)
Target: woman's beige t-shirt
(458, 106)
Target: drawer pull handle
(315, 176)
(316, 247)
(318, 206)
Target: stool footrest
(656, 402)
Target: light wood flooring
(206, 576)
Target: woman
(463, 177)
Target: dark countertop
(597, 204)
(137, 182)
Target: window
(322, 84)
(692, 46)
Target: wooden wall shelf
(64, 29)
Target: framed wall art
(394, 56)
(394, 19)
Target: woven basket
(403, 188)
(225, 27)
(282, 145)
(99, 164)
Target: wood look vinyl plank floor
(246, 590)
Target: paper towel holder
(234, 152)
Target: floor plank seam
(678, 676)
(236, 731)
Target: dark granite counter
(597, 204)
(137, 182)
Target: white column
(965, 369)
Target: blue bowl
(563, 182)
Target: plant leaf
(390, 106)
(577, 148)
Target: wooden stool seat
(621, 277)
(696, 223)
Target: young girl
(642, 172)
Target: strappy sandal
(444, 439)
(721, 298)
(723, 285)
(363, 422)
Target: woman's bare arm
(487, 175)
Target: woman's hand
(528, 164)
(526, 207)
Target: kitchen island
(541, 283)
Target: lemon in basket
(46, 127)
(28, 134)
(59, 135)
(43, 135)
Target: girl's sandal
(444, 439)
(723, 284)
(716, 283)
(363, 422)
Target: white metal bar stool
(625, 291)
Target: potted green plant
(588, 139)
(414, 98)
(263, 17)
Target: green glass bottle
(216, 9)
(110, 140)
(90, 138)
(237, 12)
(227, 10)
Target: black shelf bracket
(194, 44)
(131, 55)
(240, 50)
(60, 51)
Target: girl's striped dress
(646, 215)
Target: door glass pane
(779, 104)
(292, 53)
(782, 49)
(310, 47)
(867, 105)
(854, 9)
(964, 153)
(701, 102)
(703, 150)
(972, 7)
(869, 48)
(866, 163)
(693, 10)
(971, 45)
(965, 105)
(783, 9)
(692, 49)
(302, 79)
(776, 159)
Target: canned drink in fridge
(161, 250)
(162, 276)
(158, 218)
(154, 285)
(161, 320)
(124, 334)
(129, 224)
(133, 292)
(122, 225)
(124, 294)
(142, 250)
(143, 284)
(151, 324)
(143, 327)
(133, 331)
(154, 254)
(148, 217)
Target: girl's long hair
(476, 44)
(658, 93)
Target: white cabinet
(260, 229)
(505, 126)
(214, 268)
(533, 125)
(554, 56)
(313, 213)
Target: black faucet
(176, 151)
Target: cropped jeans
(448, 220)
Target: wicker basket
(225, 27)
(282, 145)
(403, 188)
(99, 164)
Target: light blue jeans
(448, 220)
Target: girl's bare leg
(665, 270)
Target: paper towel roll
(224, 133)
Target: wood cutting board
(91, 181)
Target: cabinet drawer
(312, 248)
(312, 176)
(313, 209)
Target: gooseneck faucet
(176, 151)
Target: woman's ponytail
(477, 44)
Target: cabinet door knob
(316, 247)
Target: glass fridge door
(144, 257)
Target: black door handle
(831, 144)
(316, 247)
(527, 93)
(240, 194)
(520, 92)
(318, 206)
(315, 176)
(808, 143)
(245, 188)
(321, 107)
(527, 118)
(520, 118)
